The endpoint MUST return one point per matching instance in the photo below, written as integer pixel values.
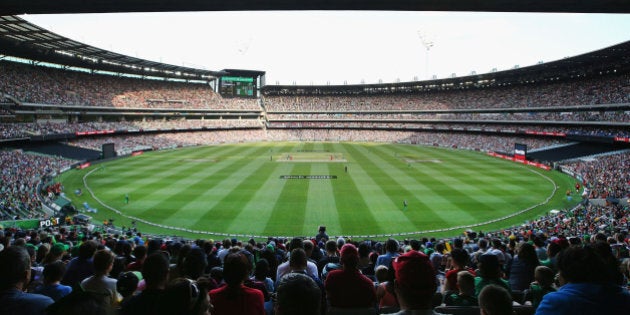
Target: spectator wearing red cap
(415, 283)
(347, 287)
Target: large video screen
(237, 86)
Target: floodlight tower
(427, 43)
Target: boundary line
(460, 227)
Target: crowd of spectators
(45, 85)
(576, 259)
(588, 91)
(129, 143)
(24, 130)
(585, 249)
(20, 130)
(620, 131)
(607, 177)
(206, 264)
(21, 174)
(38, 84)
(603, 116)
(477, 142)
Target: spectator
(100, 284)
(261, 273)
(82, 266)
(544, 284)
(234, 297)
(415, 283)
(140, 253)
(385, 295)
(155, 272)
(51, 287)
(553, 249)
(183, 296)
(437, 256)
(283, 268)
(15, 273)
(391, 252)
(522, 267)
(585, 286)
(298, 294)
(127, 284)
(489, 273)
(321, 234)
(459, 260)
(495, 300)
(483, 248)
(195, 263)
(466, 294)
(77, 302)
(541, 250)
(348, 288)
(332, 256)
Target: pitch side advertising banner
(545, 133)
(96, 132)
(507, 157)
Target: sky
(345, 47)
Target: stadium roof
(613, 59)
(19, 38)
(13, 7)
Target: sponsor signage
(50, 222)
(94, 132)
(545, 133)
(308, 176)
(511, 158)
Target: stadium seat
(351, 311)
(474, 310)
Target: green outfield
(290, 188)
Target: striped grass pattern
(290, 188)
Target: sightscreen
(108, 150)
(520, 151)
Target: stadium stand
(55, 112)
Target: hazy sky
(335, 46)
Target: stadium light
(427, 43)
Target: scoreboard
(237, 86)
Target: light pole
(427, 43)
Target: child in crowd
(544, 284)
(466, 295)
(381, 275)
